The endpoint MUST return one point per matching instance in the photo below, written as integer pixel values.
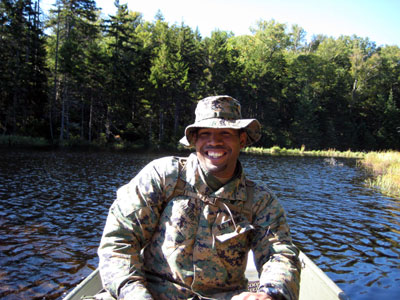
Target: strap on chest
(180, 190)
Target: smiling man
(182, 228)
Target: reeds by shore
(302, 152)
(386, 169)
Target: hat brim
(252, 127)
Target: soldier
(182, 228)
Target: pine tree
(75, 29)
(23, 78)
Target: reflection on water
(53, 207)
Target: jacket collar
(235, 189)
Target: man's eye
(204, 134)
(226, 133)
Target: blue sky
(379, 20)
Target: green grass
(23, 141)
(74, 142)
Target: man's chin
(214, 169)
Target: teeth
(215, 154)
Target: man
(182, 228)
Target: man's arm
(130, 225)
(275, 255)
(120, 263)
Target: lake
(53, 207)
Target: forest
(73, 75)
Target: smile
(215, 154)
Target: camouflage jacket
(154, 247)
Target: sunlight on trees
(126, 79)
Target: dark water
(53, 207)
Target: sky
(378, 20)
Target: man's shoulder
(164, 161)
(165, 164)
(169, 164)
(259, 187)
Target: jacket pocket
(229, 229)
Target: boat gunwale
(84, 289)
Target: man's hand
(252, 296)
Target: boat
(314, 283)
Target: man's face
(218, 150)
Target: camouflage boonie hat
(221, 112)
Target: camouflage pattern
(185, 248)
(221, 112)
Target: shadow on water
(53, 207)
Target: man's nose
(215, 138)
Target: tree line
(74, 74)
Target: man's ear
(243, 139)
(194, 136)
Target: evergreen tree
(173, 74)
(75, 29)
(128, 64)
(22, 71)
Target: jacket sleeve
(275, 255)
(130, 224)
